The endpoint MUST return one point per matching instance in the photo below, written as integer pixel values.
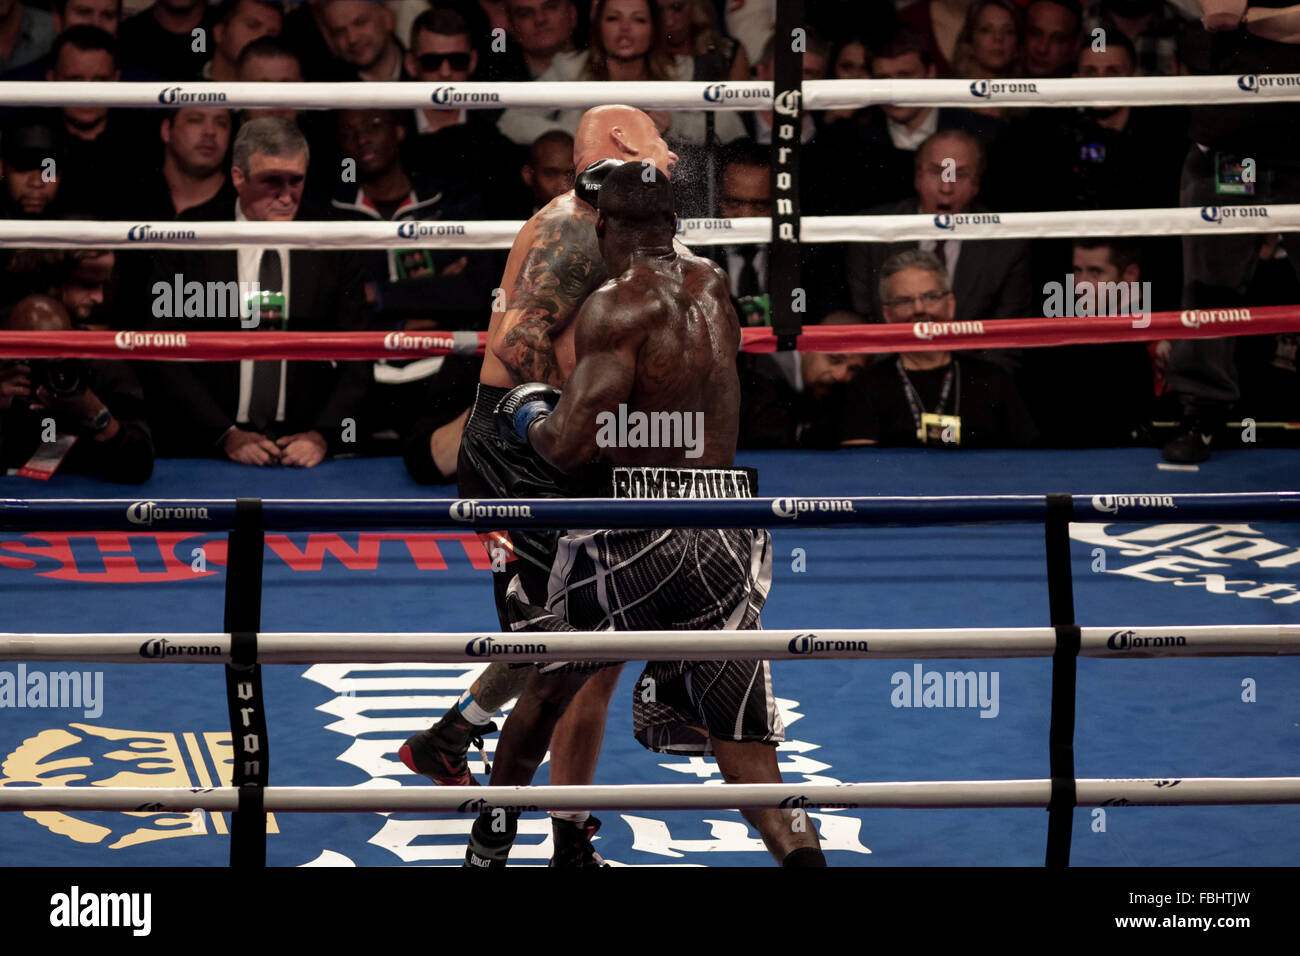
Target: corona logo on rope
(469, 509)
(1110, 504)
(1195, 318)
(84, 754)
(929, 330)
(160, 647)
(486, 647)
(145, 231)
(810, 644)
(987, 89)
(801, 801)
(1132, 640)
(793, 507)
(950, 221)
(482, 806)
(685, 226)
(1220, 213)
(721, 92)
(127, 341)
(446, 95)
(178, 94)
(147, 512)
(1254, 82)
(396, 341)
(417, 230)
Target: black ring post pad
(1060, 587)
(250, 765)
(243, 648)
(1061, 745)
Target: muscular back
(554, 265)
(662, 337)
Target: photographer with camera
(52, 414)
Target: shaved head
(620, 132)
(39, 313)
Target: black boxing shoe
(489, 848)
(439, 752)
(571, 843)
(1192, 446)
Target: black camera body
(65, 378)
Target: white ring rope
(500, 234)
(527, 646)
(667, 95)
(927, 794)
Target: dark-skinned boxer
(659, 341)
(554, 264)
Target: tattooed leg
(497, 685)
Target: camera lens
(65, 378)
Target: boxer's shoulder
(565, 206)
(556, 261)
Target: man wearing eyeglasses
(453, 143)
(932, 398)
(990, 277)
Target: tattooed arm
(610, 334)
(561, 268)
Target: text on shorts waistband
(654, 482)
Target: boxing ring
(980, 532)
(1049, 586)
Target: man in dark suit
(990, 276)
(99, 144)
(262, 412)
(745, 191)
(458, 146)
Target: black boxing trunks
(490, 467)
(669, 579)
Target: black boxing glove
(523, 406)
(587, 186)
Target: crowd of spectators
(148, 165)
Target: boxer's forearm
(1281, 25)
(563, 448)
(603, 378)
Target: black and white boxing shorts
(489, 467)
(669, 579)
